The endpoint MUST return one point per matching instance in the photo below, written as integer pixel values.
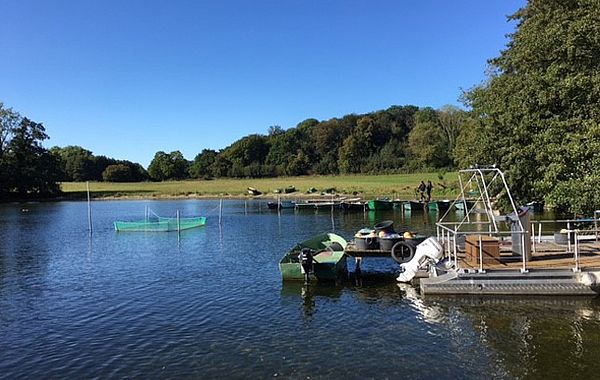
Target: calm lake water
(211, 304)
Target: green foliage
(252, 149)
(168, 166)
(284, 149)
(117, 173)
(77, 164)
(200, 167)
(428, 146)
(28, 168)
(539, 111)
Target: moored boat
(414, 206)
(329, 260)
(443, 205)
(355, 204)
(281, 205)
(253, 191)
(380, 204)
(317, 204)
(460, 205)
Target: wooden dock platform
(547, 255)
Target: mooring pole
(178, 223)
(221, 211)
(89, 206)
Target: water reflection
(532, 336)
(215, 305)
(297, 292)
(523, 337)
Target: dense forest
(397, 139)
(536, 116)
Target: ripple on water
(211, 304)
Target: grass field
(367, 186)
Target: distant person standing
(421, 189)
(429, 187)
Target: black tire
(403, 252)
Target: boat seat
(335, 246)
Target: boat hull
(414, 206)
(281, 205)
(443, 205)
(379, 204)
(329, 265)
(461, 205)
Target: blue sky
(128, 78)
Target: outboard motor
(429, 250)
(306, 261)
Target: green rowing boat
(329, 258)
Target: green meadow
(400, 186)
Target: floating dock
(489, 253)
(552, 270)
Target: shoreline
(364, 186)
(159, 197)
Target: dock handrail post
(481, 255)
(540, 232)
(576, 243)
(532, 238)
(569, 237)
(523, 253)
(443, 239)
(455, 251)
(453, 247)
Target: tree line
(27, 169)
(537, 116)
(397, 139)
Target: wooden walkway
(548, 255)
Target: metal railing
(448, 237)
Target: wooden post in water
(89, 206)
(245, 207)
(220, 211)
(178, 223)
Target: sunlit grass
(367, 186)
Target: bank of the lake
(367, 186)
